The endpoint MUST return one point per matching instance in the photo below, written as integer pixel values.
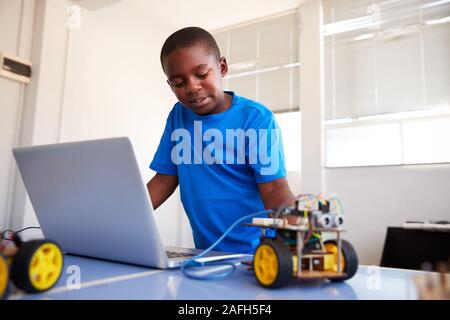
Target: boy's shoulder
(252, 106)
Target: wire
(27, 228)
(215, 275)
(317, 235)
(4, 232)
(300, 197)
(333, 198)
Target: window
(426, 141)
(387, 82)
(263, 62)
(290, 126)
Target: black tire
(20, 267)
(5, 294)
(350, 257)
(284, 265)
(4, 278)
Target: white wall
(311, 96)
(40, 119)
(210, 14)
(16, 22)
(377, 197)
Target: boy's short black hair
(188, 37)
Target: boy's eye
(177, 84)
(203, 75)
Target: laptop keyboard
(174, 254)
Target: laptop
(90, 198)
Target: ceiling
(209, 14)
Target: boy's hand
(276, 193)
(161, 187)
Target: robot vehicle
(298, 249)
(33, 266)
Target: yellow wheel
(331, 246)
(272, 264)
(349, 259)
(37, 266)
(4, 277)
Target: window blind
(263, 60)
(385, 57)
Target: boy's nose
(193, 86)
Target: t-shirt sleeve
(162, 161)
(268, 162)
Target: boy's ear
(223, 66)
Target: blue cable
(192, 263)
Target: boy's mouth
(199, 101)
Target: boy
(215, 146)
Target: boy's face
(195, 76)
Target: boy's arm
(276, 193)
(161, 187)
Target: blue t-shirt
(219, 159)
